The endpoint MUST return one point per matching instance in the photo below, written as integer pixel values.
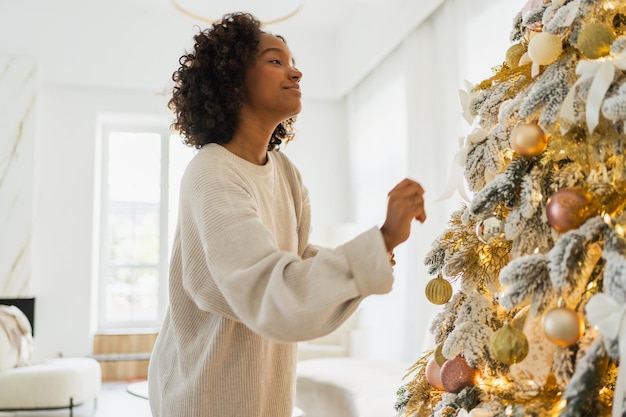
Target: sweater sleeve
(278, 294)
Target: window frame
(106, 129)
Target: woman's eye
(275, 61)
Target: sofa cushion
(8, 352)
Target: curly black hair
(208, 91)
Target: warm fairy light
(591, 285)
(619, 229)
(609, 5)
(536, 251)
(493, 383)
(561, 406)
(562, 152)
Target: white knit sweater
(245, 285)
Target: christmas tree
(533, 325)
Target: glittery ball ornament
(513, 55)
(570, 207)
(489, 229)
(508, 345)
(563, 326)
(456, 374)
(595, 39)
(544, 48)
(433, 374)
(438, 290)
(528, 139)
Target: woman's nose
(296, 74)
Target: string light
(609, 5)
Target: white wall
(65, 173)
(320, 151)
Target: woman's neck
(250, 142)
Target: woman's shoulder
(287, 170)
(209, 164)
(283, 161)
(210, 157)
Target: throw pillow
(15, 338)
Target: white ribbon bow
(602, 71)
(465, 98)
(455, 181)
(608, 315)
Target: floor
(114, 401)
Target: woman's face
(272, 84)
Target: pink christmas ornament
(433, 374)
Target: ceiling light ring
(193, 15)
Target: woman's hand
(405, 203)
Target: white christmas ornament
(544, 49)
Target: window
(141, 170)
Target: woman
(245, 284)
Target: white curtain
(404, 121)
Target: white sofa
(47, 385)
(53, 384)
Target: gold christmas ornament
(438, 290)
(508, 345)
(563, 326)
(489, 229)
(433, 374)
(544, 48)
(595, 39)
(528, 139)
(514, 54)
(456, 374)
(439, 355)
(570, 207)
